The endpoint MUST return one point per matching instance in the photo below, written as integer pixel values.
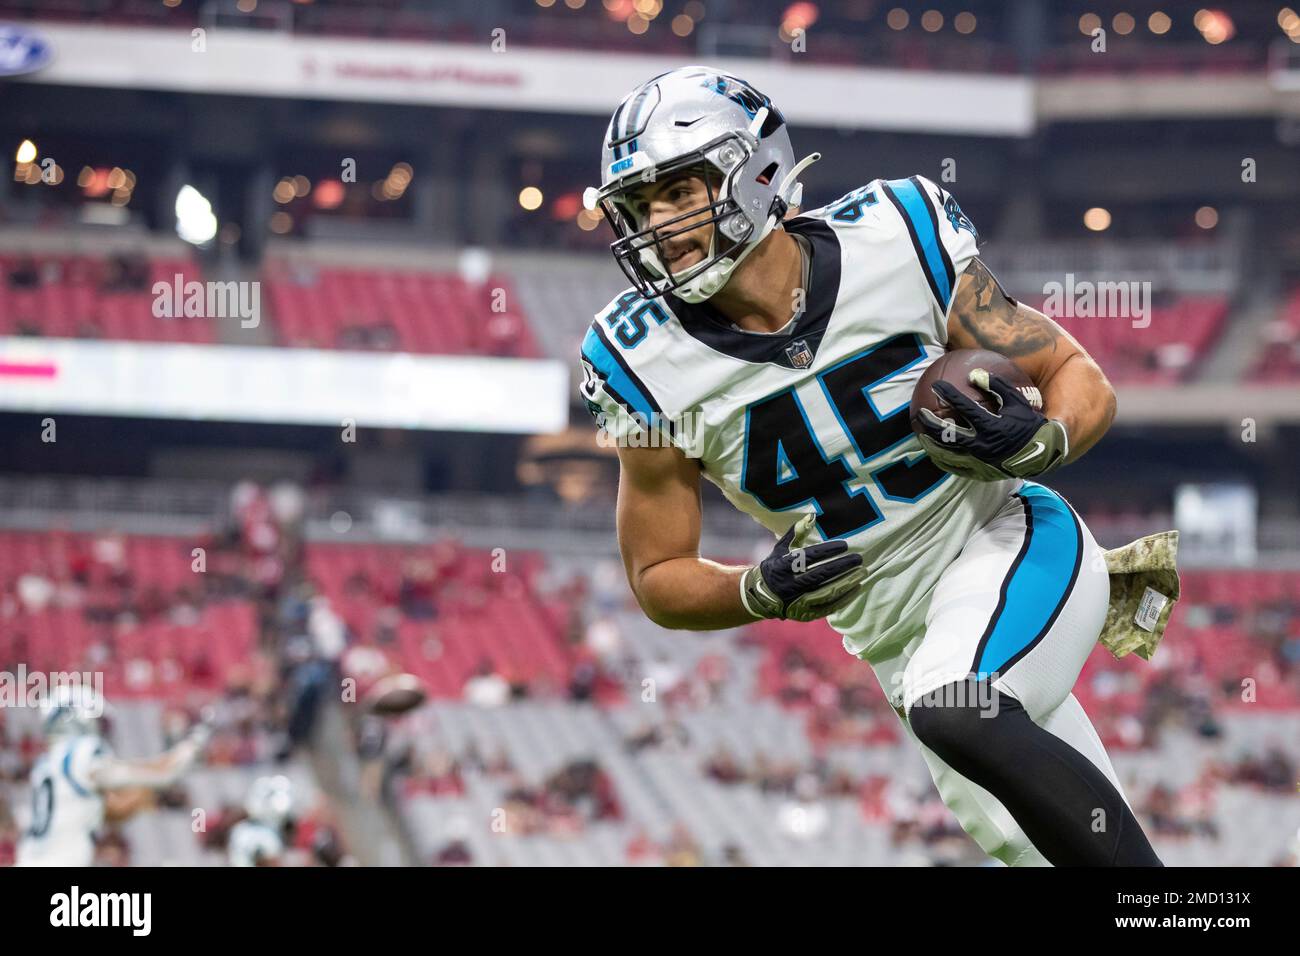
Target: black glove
(802, 584)
(1016, 441)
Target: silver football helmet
(703, 120)
(73, 710)
(270, 800)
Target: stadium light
(1097, 219)
(800, 15)
(1289, 21)
(530, 197)
(195, 222)
(328, 194)
(1216, 26)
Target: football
(955, 367)
(395, 694)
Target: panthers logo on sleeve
(958, 218)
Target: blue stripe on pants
(1038, 583)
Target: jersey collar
(795, 348)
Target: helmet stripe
(635, 113)
(614, 135)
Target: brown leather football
(955, 367)
(395, 694)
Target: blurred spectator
(487, 688)
(25, 274)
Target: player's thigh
(1022, 606)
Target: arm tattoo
(995, 320)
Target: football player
(779, 351)
(78, 783)
(259, 840)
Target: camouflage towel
(1143, 589)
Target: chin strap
(789, 194)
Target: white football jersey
(67, 809)
(814, 418)
(251, 842)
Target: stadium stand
(443, 615)
(855, 34)
(563, 727)
(177, 627)
(1279, 360)
(1181, 334)
(127, 606)
(532, 306)
(89, 297)
(97, 297)
(770, 745)
(389, 310)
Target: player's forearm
(691, 593)
(156, 774)
(120, 805)
(1079, 396)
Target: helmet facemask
(640, 252)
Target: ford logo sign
(22, 50)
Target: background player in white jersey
(78, 784)
(258, 840)
(779, 351)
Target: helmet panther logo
(958, 218)
(746, 97)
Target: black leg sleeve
(1054, 792)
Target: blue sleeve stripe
(67, 771)
(618, 380)
(923, 227)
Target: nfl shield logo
(799, 354)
